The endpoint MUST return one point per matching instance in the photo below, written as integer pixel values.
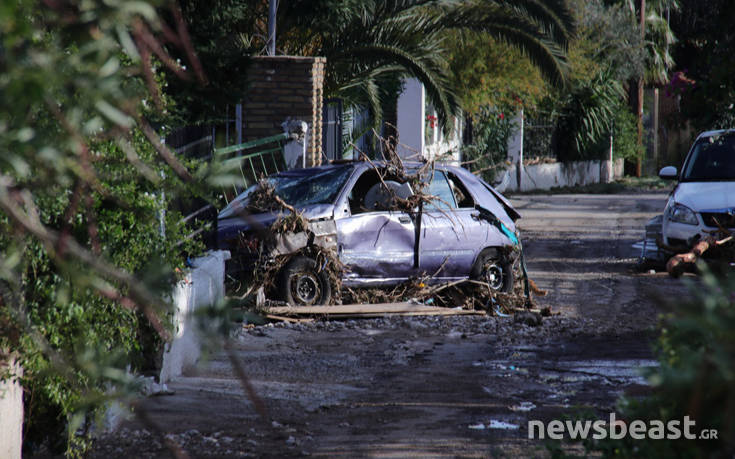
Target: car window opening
(462, 197)
(369, 193)
(440, 188)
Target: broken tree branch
(678, 264)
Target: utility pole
(272, 6)
(639, 108)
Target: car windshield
(300, 188)
(711, 159)
(304, 190)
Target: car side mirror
(669, 173)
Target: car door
(451, 234)
(377, 245)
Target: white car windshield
(711, 159)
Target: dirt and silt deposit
(456, 386)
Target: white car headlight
(682, 214)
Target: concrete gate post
(11, 408)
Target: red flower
(501, 116)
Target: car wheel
(495, 270)
(302, 284)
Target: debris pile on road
(291, 238)
(717, 247)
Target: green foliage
(88, 244)
(608, 37)
(625, 135)
(696, 376)
(703, 54)
(492, 129)
(658, 36)
(65, 309)
(585, 116)
(222, 32)
(489, 72)
(604, 55)
(370, 46)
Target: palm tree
(657, 36)
(372, 45)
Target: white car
(704, 199)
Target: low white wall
(547, 176)
(203, 286)
(11, 411)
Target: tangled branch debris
(716, 248)
(292, 235)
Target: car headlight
(682, 214)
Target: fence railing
(255, 159)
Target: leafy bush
(88, 245)
(625, 135)
(696, 376)
(491, 130)
(585, 117)
(69, 314)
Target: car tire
(494, 269)
(301, 283)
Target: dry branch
(714, 247)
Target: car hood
(700, 196)
(229, 227)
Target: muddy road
(461, 386)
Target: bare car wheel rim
(494, 276)
(305, 288)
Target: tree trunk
(639, 106)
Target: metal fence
(254, 159)
(332, 129)
(538, 134)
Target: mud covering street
(457, 386)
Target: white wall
(411, 116)
(515, 142)
(412, 112)
(203, 286)
(547, 176)
(11, 412)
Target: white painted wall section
(446, 149)
(11, 411)
(202, 286)
(411, 116)
(547, 176)
(515, 142)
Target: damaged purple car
(466, 231)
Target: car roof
(311, 170)
(715, 133)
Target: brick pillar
(280, 87)
(315, 131)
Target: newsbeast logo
(617, 429)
